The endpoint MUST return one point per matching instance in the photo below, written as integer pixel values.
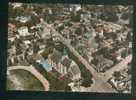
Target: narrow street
(120, 66)
(75, 53)
(100, 80)
(70, 47)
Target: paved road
(101, 86)
(34, 72)
(80, 58)
(120, 66)
(100, 81)
(75, 53)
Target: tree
(78, 31)
(128, 37)
(109, 16)
(85, 73)
(55, 83)
(59, 47)
(80, 49)
(13, 13)
(68, 24)
(46, 52)
(87, 77)
(124, 16)
(75, 18)
(117, 75)
(60, 28)
(34, 20)
(68, 88)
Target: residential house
(118, 84)
(46, 65)
(16, 59)
(23, 31)
(130, 45)
(65, 65)
(121, 83)
(103, 63)
(99, 30)
(74, 71)
(71, 7)
(37, 57)
(11, 32)
(54, 59)
(23, 19)
(16, 5)
(55, 37)
(46, 33)
(89, 54)
(44, 62)
(76, 7)
(12, 51)
(92, 44)
(11, 28)
(50, 11)
(27, 42)
(119, 53)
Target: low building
(37, 58)
(46, 33)
(11, 32)
(12, 51)
(121, 82)
(99, 30)
(23, 31)
(11, 28)
(65, 65)
(23, 19)
(71, 7)
(53, 60)
(103, 63)
(62, 64)
(56, 56)
(92, 44)
(46, 65)
(74, 71)
(16, 5)
(26, 42)
(55, 37)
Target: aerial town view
(69, 47)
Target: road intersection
(100, 83)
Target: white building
(130, 45)
(23, 31)
(11, 39)
(46, 33)
(75, 7)
(16, 5)
(27, 42)
(23, 19)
